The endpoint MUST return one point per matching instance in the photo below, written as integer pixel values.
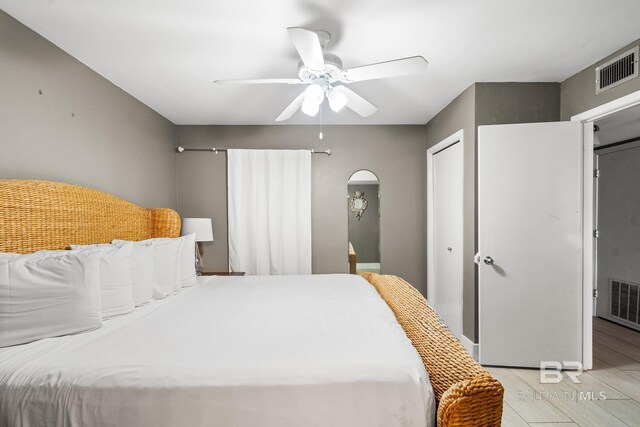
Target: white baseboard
(368, 265)
(471, 347)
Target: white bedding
(322, 350)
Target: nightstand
(222, 273)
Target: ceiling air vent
(617, 71)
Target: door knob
(488, 260)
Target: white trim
(367, 265)
(587, 245)
(588, 117)
(471, 347)
(457, 137)
(608, 108)
(476, 257)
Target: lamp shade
(201, 226)
(314, 94)
(310, 108)
(337, 100)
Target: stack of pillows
(53, 293)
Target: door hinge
(596, 234)
(595, 293)
(596, 173)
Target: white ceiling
(167, 53)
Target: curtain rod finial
(180, 149)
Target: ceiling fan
(325, 77)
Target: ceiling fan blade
(356, 102)
(308, 46)
(258, 81)
(397, 67)
(291, 108)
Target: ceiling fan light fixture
(320, 70)
(310, 108)
(314, 94)
(337, 100)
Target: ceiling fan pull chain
(320, 135)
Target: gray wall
(394, 153)
(506, 103)
(486, 104)
(82, 129)
(364, 233)
(578, 92)
(618, 219)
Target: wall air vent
(625, 303)
(620, 69)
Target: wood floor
(616, 373)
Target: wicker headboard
(36, 215)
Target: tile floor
(616, 374)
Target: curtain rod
(615, 144)
(182, 149)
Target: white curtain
(269, 202)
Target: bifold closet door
(447, 234)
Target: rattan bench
(466, 394)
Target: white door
(530, 243)
(447, 233)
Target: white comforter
(322, 350)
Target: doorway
(617, 222)
(616, 322)
(589, 119)
(445, 230)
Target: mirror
(363, 192)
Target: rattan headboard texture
(37, 215)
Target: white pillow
(188, 262)
(186, 273)
(166, 265)
(115, 277)
(48, 296)
(141, 271)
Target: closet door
(447, 233)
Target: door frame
(456, 138)
(587, 118)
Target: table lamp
(203, 228)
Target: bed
(340, 350)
